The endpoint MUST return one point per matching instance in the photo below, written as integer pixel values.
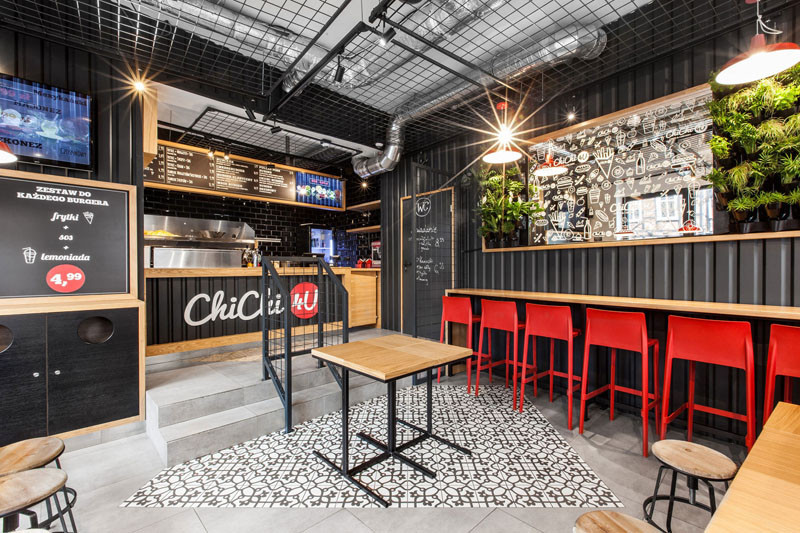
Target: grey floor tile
(183, 522)
(227, 520)
(421, 520)
(341, 522)
(499, 520)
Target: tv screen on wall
(44, 124)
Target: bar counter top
(776, 312)
(235, 272)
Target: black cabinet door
(93, 368)
(23, 378)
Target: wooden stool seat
(25, 489)
(29, 454)
(611, 522)
(694, 459)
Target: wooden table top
(392, 356)
(765, 494)
(777, 312)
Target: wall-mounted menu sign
(61, 238)
(636, 174)
(183, 167)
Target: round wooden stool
(696, 462)
(38, 453)
(20, 491)
(610, 522)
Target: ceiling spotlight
(325, 143)
(339, 76)
(760, 60)
(275, 129)
(210, 152)
(571, 116)
(227, 155)
(364, 184)
(387, 36)
(250, 114)
(139, 86)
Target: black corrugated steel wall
(755, 272)
(117, 129)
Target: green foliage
(502, 207)
(789, 168)
(742, 203)
(790, 75)
(794, 197)
(791, 126)
(720, 147)
(771, 131)
(719, 179)
(747, 136)
(786, 97)
(739, 176)
(771, 197)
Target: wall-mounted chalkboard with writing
(636, 174)
(432, 270)
(60, 238)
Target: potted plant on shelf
(503, 207)
(775, 205)
(743, 209)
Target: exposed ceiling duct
(568, 43)
(279, 47)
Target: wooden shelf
(776, 312)
(366, 229)
(790, 234)
(366, 206)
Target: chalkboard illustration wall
(636, 174)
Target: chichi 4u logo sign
(304, 298)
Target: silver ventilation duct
(568, 43)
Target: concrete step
(186, 440)
(184, 394)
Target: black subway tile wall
(270, 220)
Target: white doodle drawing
(594, 195)
(29, 254)
(89, 216)
(621, 139)
(606, 185)
(583, 156)
(605, 159)
(617, 172)
(594, 173)
(634, 121)
(580, 169)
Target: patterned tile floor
(518, 460)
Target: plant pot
(722, 199)
(743, 216)
(775, 211)
(491, 242)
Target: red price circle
(65, 278)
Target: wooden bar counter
(227, 300)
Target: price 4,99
(65, 278)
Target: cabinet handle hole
(6, 338)
(95, 330)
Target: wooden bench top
(28, 454)
(25, 489)
(765, 494)
(776, 312)
(392, 356)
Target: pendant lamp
(761, 60)
(550, 167)
(502, 154)
(6, 155)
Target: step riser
(218, 438)
(177, 412)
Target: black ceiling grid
(182, 44)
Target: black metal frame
(390, 449)
(693, 482)
(272, 279)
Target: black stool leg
(70, 504)
(10, 522)
(691, 482)
(672, 485)
(711, 499)
(649, 514)
(60, 512)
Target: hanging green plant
(789, 168)
(502, 207)
(720, 147)
(771, 131)
(739, 175)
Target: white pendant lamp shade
(501, 155)
(6, 155)
(759, 62)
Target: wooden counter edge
(776, 312)
(228, 272)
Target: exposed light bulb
(139, 86)
(504, 135)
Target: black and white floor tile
(518, 460)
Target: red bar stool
(500, 316)
(555, 322)
(620, 330)
(716, 342)
(783, 359)
(459, 311)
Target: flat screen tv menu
(62, 239)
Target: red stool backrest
(784, 350)
(499, 315)
(616, 329)
(456, 309)
(554, 321)
(718, 342)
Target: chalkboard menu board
(189, 168)
(61, 239)
(635, 175)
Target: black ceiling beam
(300, 85)
(441, 65)
(311, 43)
(448, 53)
